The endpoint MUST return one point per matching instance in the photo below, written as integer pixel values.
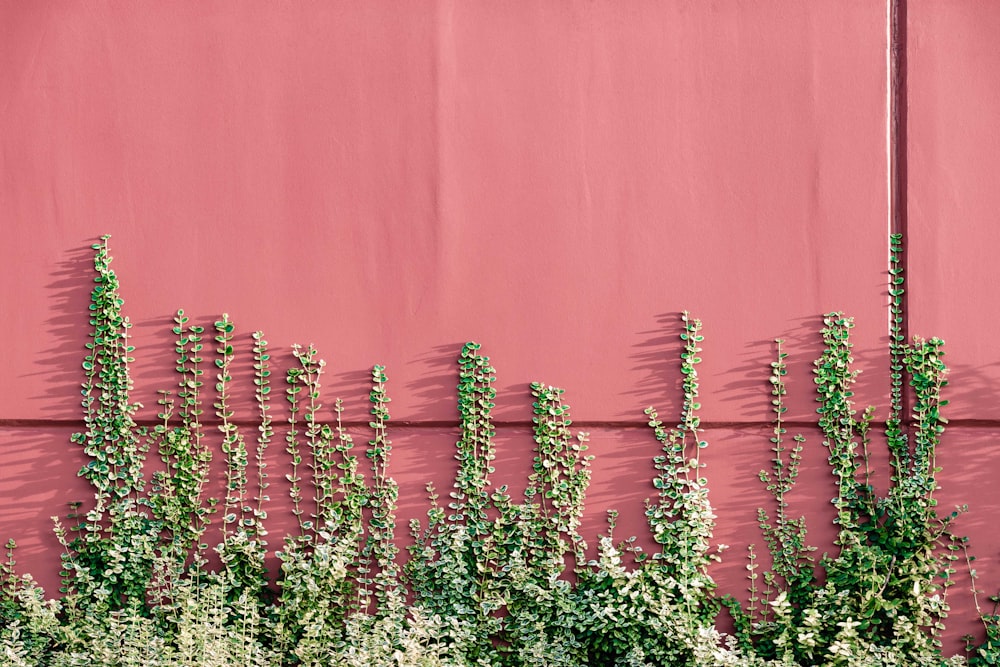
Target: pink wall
(553, 180)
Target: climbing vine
(490, 577)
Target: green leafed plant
(156, 571)
(882, 596)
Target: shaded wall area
(554, 181)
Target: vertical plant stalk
(475, 449)
(176, 495)
(233, 446)
(182, 448)
(109, 438)
(791, 566)
(473, 500)
(460, 566)
(107, 563)
(318, 438)
(682, 520)
(755, 612)
(560, 476)
(345, 519)
(188, 349)
(894, 427)
(262, 393)
(243, 547)
(384, 494)
(187, 455)
(294, 380)
(834, 380)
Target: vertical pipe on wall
(896, 104)
(896, 125)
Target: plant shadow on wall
(436, 384)
(62, 329)
(654, 362)
(158, 572)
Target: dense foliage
(492, 578)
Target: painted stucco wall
(556, 181)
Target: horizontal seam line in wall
(428, 424)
